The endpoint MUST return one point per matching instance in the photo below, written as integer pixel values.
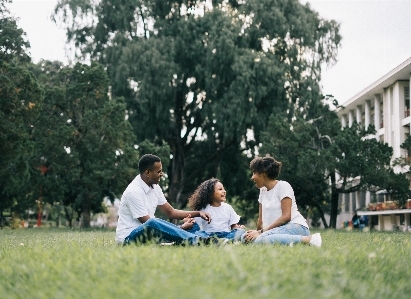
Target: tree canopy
(82, 138)
(318, 155)
(201, 73)
(20, 102)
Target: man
(139, 202)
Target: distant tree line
(204, 85)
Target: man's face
(155, 173)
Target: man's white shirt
(138, 200)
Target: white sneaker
(316, 240)
(227, 241)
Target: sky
(376, 39)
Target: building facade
(386, 105)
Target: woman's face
(259, 179)
(219, 193)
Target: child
(210, 197)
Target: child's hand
(189, 219)
(188, 223)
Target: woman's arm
(285, 214)
(252, 234)
(260, 217)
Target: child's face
(219, 193)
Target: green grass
(37, 263)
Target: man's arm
(180, 214)
(143, 219)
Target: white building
(386, 105)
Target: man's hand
(251, 235)
(205, 216)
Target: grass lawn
(52, 263)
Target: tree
(301, 150)
(83, 139)
(321, 161)
(13, 43)
(20, 97)
(20, 100)
(204, 71)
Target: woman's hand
(251, 235)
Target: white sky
(376, 39)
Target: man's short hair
(267, 165)
(147, 162)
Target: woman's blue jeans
(155, 228)
(285, 234)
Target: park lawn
(53, 263)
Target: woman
(279, 220)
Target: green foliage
(213, 72)
(318, 156)
(13, 43)
(304, 154)
(82, 138)
(407, 145)
(162, 151)
(72, 264)
(20, 100)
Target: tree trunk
(334, 202)
(177, 174)
(314, 204)
(69, 216)
(86, 213)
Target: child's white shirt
(222, 218)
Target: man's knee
(152, 222)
